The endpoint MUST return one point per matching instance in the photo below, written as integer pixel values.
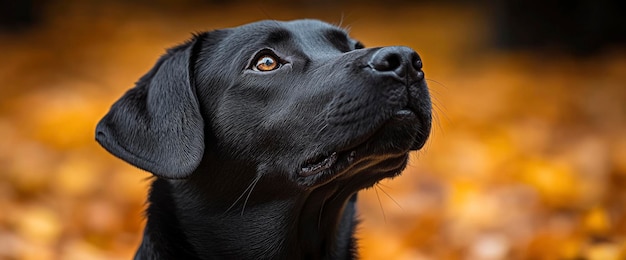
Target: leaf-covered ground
(527, 159)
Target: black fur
(266, 165)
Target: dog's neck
(203, 215)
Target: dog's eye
(266, 63)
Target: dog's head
(300, 100)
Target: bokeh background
(527, 159)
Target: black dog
(260, 137)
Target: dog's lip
(324, 163)
(318, 165)
(404, 114)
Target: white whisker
(240, 196)
(256, 180)
(380, 203)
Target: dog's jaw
(380, 153)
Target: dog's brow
(278, 35)
(336, 35)
(338, 38)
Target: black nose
(399, 61)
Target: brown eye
(266, 63)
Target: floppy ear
(157, 125)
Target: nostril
(416, 62)
(389, 62)
(394, 60)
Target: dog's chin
(382, 152)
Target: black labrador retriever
(260, 137)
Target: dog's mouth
(343, 158)
(322, 163)
(318, 164)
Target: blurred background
(527, 159)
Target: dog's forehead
(304, 29)
(296, 26)
(309, 25)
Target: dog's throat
(318, 165)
